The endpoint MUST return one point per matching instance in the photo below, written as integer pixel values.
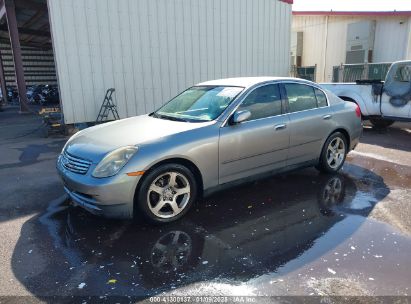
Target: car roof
(248, 82)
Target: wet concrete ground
(301, 233)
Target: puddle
(277, 236)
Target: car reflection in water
(235, 235)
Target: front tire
(167, 193)
(381, 123)
(333, 154)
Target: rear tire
(381, 123)
(333, 154)
(166, 193)
(331, 194)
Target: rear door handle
(327, 117)
(280, 127)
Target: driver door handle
(280, 127)
(327, 117)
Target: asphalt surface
(301, 233)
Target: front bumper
(111, 197)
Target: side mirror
(240, 116)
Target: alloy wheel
(336, 153)
(168, 195)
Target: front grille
(74, 163)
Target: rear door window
(301, 97)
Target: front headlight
(114, 162)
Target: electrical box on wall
(360, 42)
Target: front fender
(200, 148)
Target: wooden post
(341, 73)
(365, 71)
(16, 50)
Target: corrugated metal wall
(150, 50)
(38, 65)
(391, 39)
(325, 41)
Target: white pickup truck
(381, 102)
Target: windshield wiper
(161, 116)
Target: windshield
(199, 103)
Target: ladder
(108, 107)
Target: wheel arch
(355, 98)
(345, 133)
(346, 98)
(180, 161)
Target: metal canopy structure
(23, 23)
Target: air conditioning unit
(360, 42)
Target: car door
(311, 120)
(259, 144)
(396, 98)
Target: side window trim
(284, 98)
(284, 93)
(326, 98)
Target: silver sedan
(213, 135)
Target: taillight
(358, 111)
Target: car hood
(95, 142)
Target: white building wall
(325, 40)
(150, 50)
(391, 39)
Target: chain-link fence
(366, 71)
(307, 72)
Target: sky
(352, 5)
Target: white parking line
(379, 157)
